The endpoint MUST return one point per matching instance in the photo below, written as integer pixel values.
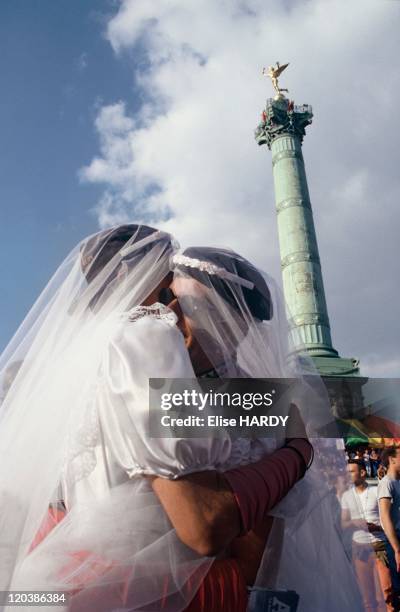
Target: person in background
(381, 472)
(367, 462)
(360, 513)
(389, 510)
(374, 460)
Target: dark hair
(100, 248)
(258, 299)
(388, 452)
(359, 462)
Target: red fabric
(259, 486)
(52, 518)
(85, 567)
(222, 590)
(385, 427)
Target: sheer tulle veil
(50, 376)
(238, 310)
(49, 369)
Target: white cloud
(114, 165)
(187, 161)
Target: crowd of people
(372, 460)
(370, 519)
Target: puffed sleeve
(143, 348)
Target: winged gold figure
(273, 73)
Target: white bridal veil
(115, 540)
(239, 316)
(74, 438)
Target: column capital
(281, 116)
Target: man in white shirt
(360, 512)
(389, 510)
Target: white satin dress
(114, 516)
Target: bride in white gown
(74, 430)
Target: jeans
(395, 577)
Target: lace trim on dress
(80, 454)
(155, 311)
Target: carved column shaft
(282, 129)
(301, 268)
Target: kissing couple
(95, 508)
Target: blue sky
(56, 68)
(130, 110)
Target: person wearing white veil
(235, 325)
(77, 512)
(52, 449)
(77, 409)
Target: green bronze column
(282, 129)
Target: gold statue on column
(273, 73)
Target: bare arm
(346, 520)
(202, 509)
(206, 519)
(209, 510)
(388, 527)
